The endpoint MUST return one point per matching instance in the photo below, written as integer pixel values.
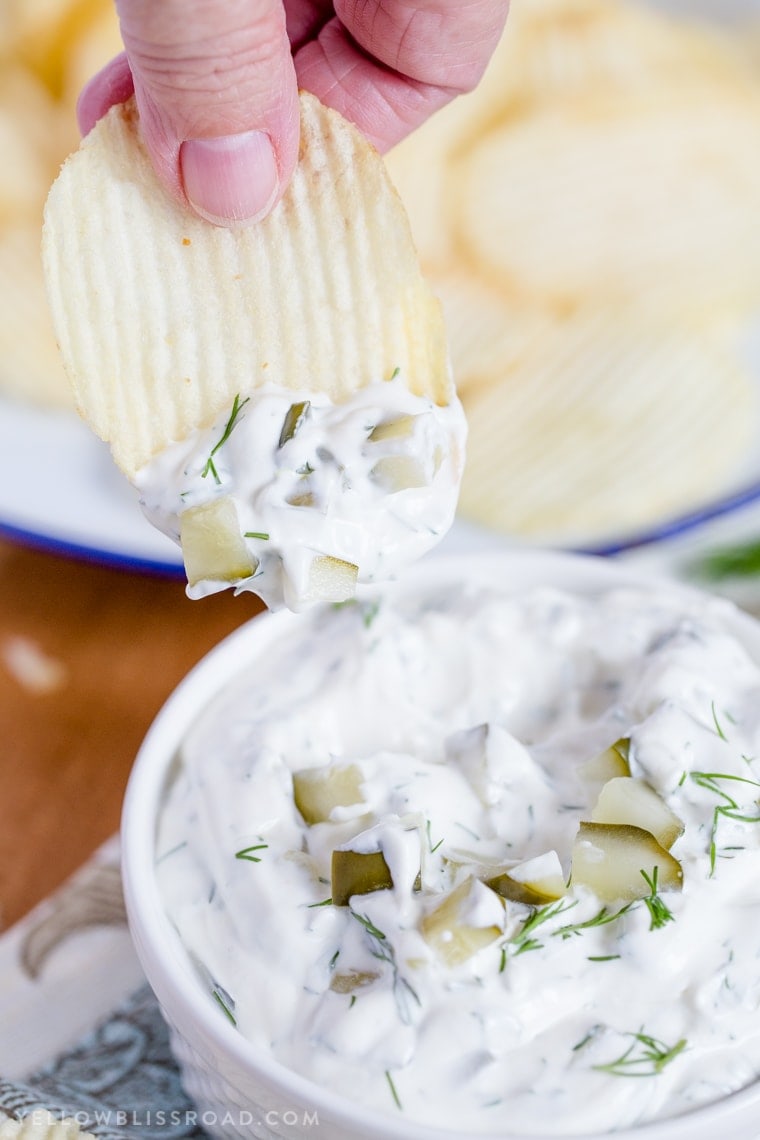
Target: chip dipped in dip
(299, 498)
(479, 849)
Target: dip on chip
(281, 393)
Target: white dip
(307, 497)
(474, 722)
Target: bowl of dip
(475, 854)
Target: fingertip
(111, 85)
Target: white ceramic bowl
(240, 1090)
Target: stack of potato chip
(48, 49)
(589, 217)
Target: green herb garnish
(523, 940)
(601, 918)
(237, 407)
(716, 722)
(644, 1057)
(257, 534)
(392, 1087)
(247, 852)
(739, 561)
(370, 612)
(383, 950)
(225, 1002)
(728, 809)
(432, 849)
(659, 913)
(324, 902)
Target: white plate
(60, 490)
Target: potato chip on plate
(609, 421)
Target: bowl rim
(167, 965)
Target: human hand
(216, 82)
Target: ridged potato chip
(589, 222)
(593, 199)
(163, 319)
(607, 423)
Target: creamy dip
(472, 732)
(307, 497)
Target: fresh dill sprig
(432, 848)
(324, 902)
(659, 913)
(601, 918)
(370, 612)
(728, 809)
(171, 851)
(382, 949)
(210, 467)
(523, 940)
(225, 1002)
(247, 852)
(644, 1057)
(392, 1087)
(716, 722)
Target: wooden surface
(112, 645)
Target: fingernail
(233, 179)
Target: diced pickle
(399, 428)
(212, 546)
(317, 791)
(351, 980)
(626, 799)
(358, 873)
(449, 928)
(294, 417)
(536, 881)
(332, 579)
(609, 858)
(399, 473)
(610, 763)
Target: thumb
(216, 91)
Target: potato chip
(488, 329)
(592, 200)
(551, 51)
(97, 43)
(608, 423)
(41, 33)
(162, 318)
(30, 364)
(26, 115)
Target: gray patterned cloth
(118, 1082)
(81, 1034)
